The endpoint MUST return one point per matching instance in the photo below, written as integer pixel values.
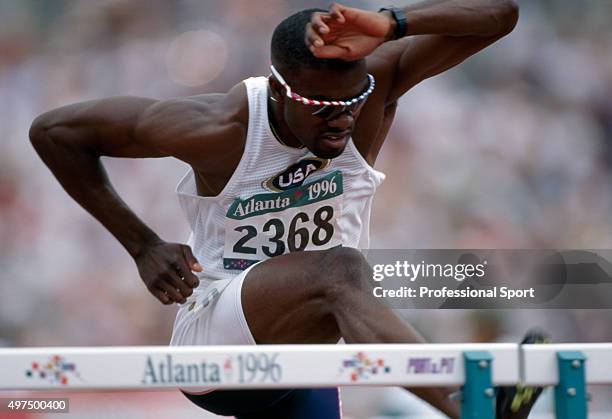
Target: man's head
(324, 133)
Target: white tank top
(279, 200)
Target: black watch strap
(400, 19)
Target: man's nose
(342, 122)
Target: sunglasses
(328, 109)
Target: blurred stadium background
(513, 149)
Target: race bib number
(271, 224)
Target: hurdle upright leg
(570, 392)
(477, 394)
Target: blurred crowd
(512, 149)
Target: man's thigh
(286, 300)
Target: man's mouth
(336, 136)
(335, 140)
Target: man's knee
(344, 269)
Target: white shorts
(214, 316)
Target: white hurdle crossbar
(236, 367)
(477, 368)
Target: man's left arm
(448, 32)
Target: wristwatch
(400, 21)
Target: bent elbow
(509, 16)
(38, 131)
(43, 133)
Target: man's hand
(166, 269)
(347, 33)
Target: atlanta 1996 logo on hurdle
(362, 367)
(56, 370)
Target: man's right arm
(71, 140)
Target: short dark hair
(289, 51)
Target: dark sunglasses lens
(332, 112)
(324, 111)
(357, 106)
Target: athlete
(280, 187)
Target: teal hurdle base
(477, 394)
(570, 393)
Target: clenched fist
(167, 271)
(347, 33)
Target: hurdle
(569, 368)
(475, 368)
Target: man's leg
(318, 297)
(303, 403)
(238, 402)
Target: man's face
(325, 137)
